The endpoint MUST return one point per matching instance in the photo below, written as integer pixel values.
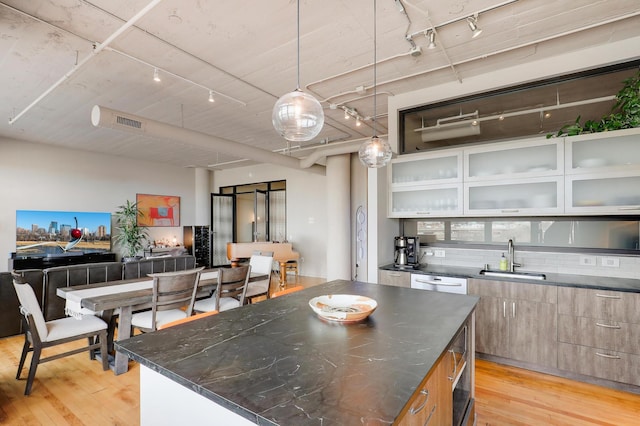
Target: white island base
(165, 402)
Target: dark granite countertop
(276, 362)
(567, 280)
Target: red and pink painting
(158, 210)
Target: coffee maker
(407, 252)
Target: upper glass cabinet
(420, 169)
(602, 152)
(519, 159)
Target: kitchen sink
(518, 275)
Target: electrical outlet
(439, 253)
(612, 262)
(588, 260)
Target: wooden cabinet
(599, 333)
(516, 320)
(395, 278)
(446, 396)
(432, 403)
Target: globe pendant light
(298, 116)
(375, 152)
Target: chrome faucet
(511, 266)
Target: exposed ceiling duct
(117, 120)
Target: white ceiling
(246, 52)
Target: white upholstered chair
(40, 334)
(230, 292)
(174, 294)
(260, 264)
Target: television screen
(42, 233)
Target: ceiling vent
(129, 122)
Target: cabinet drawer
(599, 333)
(423, 405)
(606, 304)
(395, 278)
(605, 364)
(517, 291)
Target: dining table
(126, 296)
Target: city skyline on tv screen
(41, 232)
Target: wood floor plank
(75, 391)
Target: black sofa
(45, 283)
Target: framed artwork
(158, 210)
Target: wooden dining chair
(287, 290)
(260, 264)
(174, 294)
(230, 291)
(40, 334)
(187, 319)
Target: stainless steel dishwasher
(439, 283)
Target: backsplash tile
(549, 262)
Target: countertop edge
(628, 285)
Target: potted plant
(625, 113)
(129, 236)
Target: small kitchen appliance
(407, 252)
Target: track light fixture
(211, 96)
(156, 75)
(473, 25)
(431, 36)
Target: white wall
(306, 209)
(41, 177)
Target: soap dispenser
(503, 263)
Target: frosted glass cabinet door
(514, 160)
(539, 196)
(603, 152)
(604, 193)
(426, 201)
(424, 169)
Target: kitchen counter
(276, 362)
(566, 280)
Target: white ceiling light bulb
(298, 116)
(211, 99)
(473, 25)
(156, 75)
(358, 123)
(375, 152)
(346, 114)
(431, 35)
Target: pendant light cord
(375, 74)
(298, 21)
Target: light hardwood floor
(75, 391)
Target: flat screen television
(50, 233)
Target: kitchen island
(275, 362)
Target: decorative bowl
(343, 307)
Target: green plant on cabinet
(624, 115)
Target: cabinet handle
(510, 210)
(513, 309)
(454, 372)
(504, 309)
(629, 208)
(433, 410)
(395, 274)
(418, 409)
(608, 356)
(607, 325)
(606, 296)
